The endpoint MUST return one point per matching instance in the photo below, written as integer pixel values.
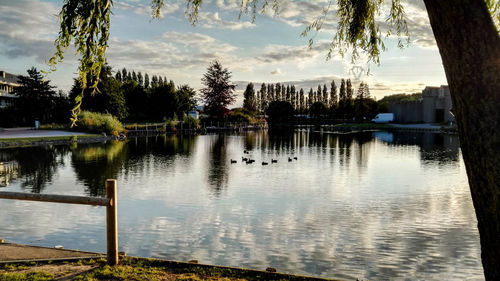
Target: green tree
(310, 98)
(362, 101)
(134, 76)
(140, 80)
(249, 101)
(154, 82)
(270, 92)
(278, 91)
(288, 98)
(186, 99)
(110, 100)
(279, 111)
(136, 101)
(36, 99)
(325, 95)
(219, 91)
(118, 76)
(162, 101)
(333, 95)
(146, 81)
(124, 75)
(318, 110)
(349, 91)
(263, 97)
(301, 100)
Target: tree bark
(469, 45)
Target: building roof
(8, 78)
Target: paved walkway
(13, 133)
(15, 252)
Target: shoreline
(59, 140)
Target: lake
(374, 205)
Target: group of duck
(248, 160)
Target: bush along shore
(132, 268)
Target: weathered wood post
(112, 222)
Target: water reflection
(94, 163)
(33, 167)
(375, 205)
(436, 148)
(217, 174)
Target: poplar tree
(140, 80)
(333, 94)
(249, 102)
(124, 74)
(118, 76)
(154, 82)
(277, 89)
(342, 91)
(301, 100)
(310, 98)
(349, 90)
(146, 81)
(263, 97)
(325, 95)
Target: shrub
(94, 122)
(170, 126)
(191, 122)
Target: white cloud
(142, 9)
(277, 71)
(213, 20)
(28, 29)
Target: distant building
(433, 107)
(8, 82)
(194, 114)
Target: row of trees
(130, 96)
(337, 102)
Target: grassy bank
(34, 141)
(58, 138)
(134, 269)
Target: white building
(8, 82)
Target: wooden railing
(111, 211)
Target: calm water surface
(374, 205)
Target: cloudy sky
(268, 50)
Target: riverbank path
(14, 133)
(16, 252)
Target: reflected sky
(374, 205)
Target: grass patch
(29, 276)
(131, 268)
(35, 139)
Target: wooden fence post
(112, 223)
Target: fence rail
(110, 202)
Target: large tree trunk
(469, 45)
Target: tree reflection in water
(36, 166)
(217, 164)
(94, 163)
